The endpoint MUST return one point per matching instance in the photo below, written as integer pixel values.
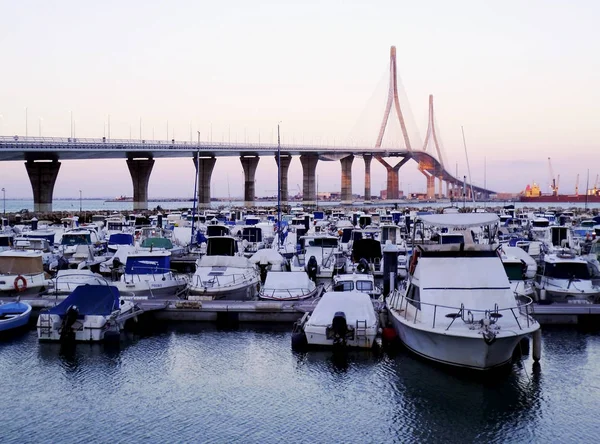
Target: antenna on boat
(468, 167)
(278, 186)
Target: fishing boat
(14, 315)
(340, 319)
(91, 313)
(457, 307)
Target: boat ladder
(45, 326)
(361, 329)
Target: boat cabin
(221, 246)
(148, 263)
(217, 230)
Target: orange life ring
(413, 262)
(21, 288)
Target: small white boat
(91, 313)
(22, 272)
(66, 281)
(288, 286)
(148, 275)
(14, 315)
(345, 319)
(567, 278)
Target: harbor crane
(553, 181)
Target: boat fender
(299, 341)
(20, 288)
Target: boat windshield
(364, 285)
(323, 242)
(76, 239)
(514, 271)
(452, 239)
(567, 270)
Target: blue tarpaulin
(121, 239)
(147, 264)
(99, 300)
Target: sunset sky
(520, 77)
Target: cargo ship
(533, 193)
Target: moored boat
(14, 315)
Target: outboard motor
(363, 266)
(312, 267)
(339, 328)
(263, 273)
(66, 330)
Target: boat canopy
(463, 220)
(21, 263)
(71, 239)
(252, 234)
(290, 280)
(157, 242)
(267, 256)
(98, 300)
(224, 261)
(221, 246)
(357, 306)
(121, 239)
(147, 264)
(217, 230)
(369, 249)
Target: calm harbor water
(14, 205)
(195, 383)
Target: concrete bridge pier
(430, 186)
(283, 168)
(140, 170)
(367, 158)
(346, 180)
(204, 171)
(392, 177)
(441, 189)
(42, 175)
(309, 168)
(249, 164)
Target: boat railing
(400, 302)
(228, 280)
(76, 280)
(292, 292)
(157, 273)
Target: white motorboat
(223, 274)
(22, 272)
(567, 278)
(343, 318)
(321, 256)
(520, 269)
(458, 307)
(289, 286)
(148, 275)
(91, 313)
(66, 281)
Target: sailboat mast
(278, 186)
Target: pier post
(284, 167)
(204, 171)
(249, 164)
(309, 168)
(140, 170)
(392, 177)
(42, 175)
(367, 158)
(346, 181)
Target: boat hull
(244, 292)
(459, 351)
(90, 329)
(18, 320)
(317, 336)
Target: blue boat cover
(13, 308)
(121, 239)
(147, 265)
(90, 300)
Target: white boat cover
(21, 262)
(477, 283)
(288, 280)
(522, 255)
(224, 261)
(356, 306)
(460, 220)
(267, 256)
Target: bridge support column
(309, 168)
(367, 158)
(392, 177)
(42, 176)
(430, 187)
(441, 185)
(346, 181)
(204, 171)
(249, 164)
(283, 170)
(140, 170)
